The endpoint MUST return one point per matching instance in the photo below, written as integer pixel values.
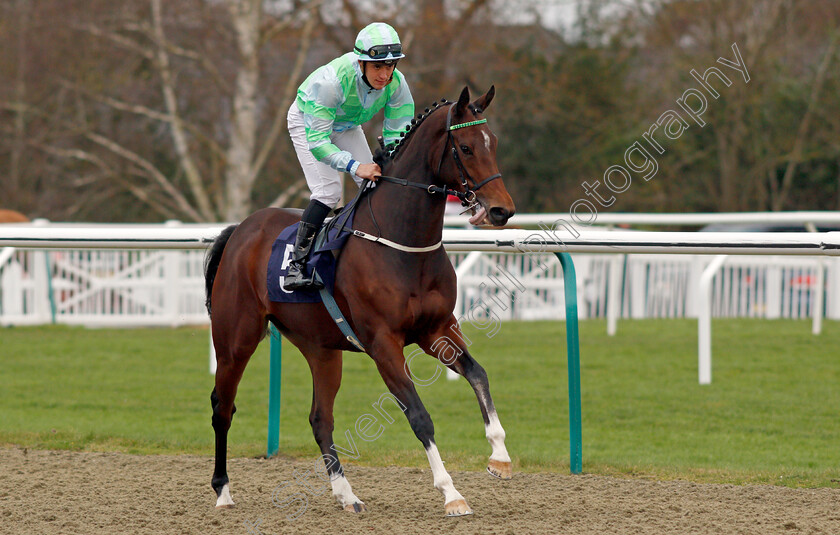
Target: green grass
(770, 415)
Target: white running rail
(105, 274)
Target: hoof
(458, 508)
(500, 469)
(224, 501)
(355, 508)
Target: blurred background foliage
(144, 110)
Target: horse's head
(467, 160)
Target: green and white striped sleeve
(319, 100)
(399, 110)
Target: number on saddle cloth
(321, 259)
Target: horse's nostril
(499, 215)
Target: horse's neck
(407, 215)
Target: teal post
(573, 359)
(274, 382)
(50, 286)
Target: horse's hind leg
(325, 365)
(448, 345)
(235, 337)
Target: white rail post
(833, 290)
(817, 289)
(462, 270)
(41, 292)
(465, 266)
(6, 254)
(172, 283)
(773, 297)
(11, 298)
(817, 297)
(638, 288)
(693, 298)
(212, 352)
(614, 295)
(704, 319)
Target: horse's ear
(463, 101)
(484, 100)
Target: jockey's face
(378, 72)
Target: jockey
(325, 126)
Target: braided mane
(410, 129)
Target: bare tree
(185, 119)
(20, 90)
(781, 192)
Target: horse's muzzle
(498, 215)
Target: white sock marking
(342, 491)
(496, 437)
(224, 499)
(443, 481)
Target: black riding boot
(297, 278)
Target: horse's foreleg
(392, 367)
(235, 342)
(326, 379)
(449, 347)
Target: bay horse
(390, 297)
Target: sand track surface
(60, 492)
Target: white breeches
(325, 182)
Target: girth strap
(338, 317)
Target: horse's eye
(465, 149)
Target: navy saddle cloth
(321, 259)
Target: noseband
(467, 196)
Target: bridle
(467, 197)
(469, 194)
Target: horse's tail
(211, 262)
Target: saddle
(328, 243)
(323, 260)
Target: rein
(430, 188)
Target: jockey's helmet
(378, 42)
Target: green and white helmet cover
(377, 34)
